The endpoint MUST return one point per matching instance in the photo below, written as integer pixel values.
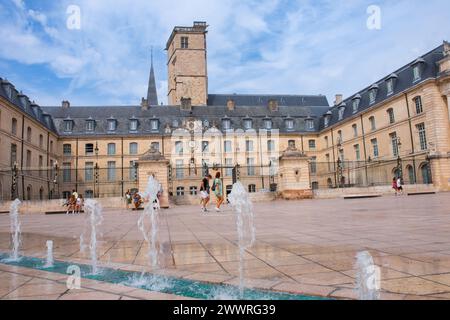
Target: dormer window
(205, 123)
(175, 123)
(133, 125)
(68, 125)
(154, 125)
(327, 119)
(112, 124)
(90, 125)
(342, 111)
(310, 124)
(390, 84)
(417, 69)
(226, 124)
(289, 124)
(373, 93)
(355, 103)
(268, 124)
(248, 124)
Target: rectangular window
(193, 191)
(394, 143)
(312, 144)
(155, 145)
(327, 158)
(184, 43)
(179, 169)
(28, 160)
(310, 125)
(290, 124)
(250, 166)
(391, 116)
(180, 191)
(67, 176)
(249, 146)
(111, 171)
(67, 149)
(154, 125)
(422, 136)
(89, 171)
(373, 125)
(89, 149)
(248, 124)
(227, 146)
(90, 125)
(314, 165)
(357, 152)
(68, 124)
(133, 125)
(133, 148)
(111, 125)
(375, 148)
(111, 149)
(372, 96)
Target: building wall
(33, 181)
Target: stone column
(154, 163)
(294, 178)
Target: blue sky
(255, 46)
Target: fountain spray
(368, 277)
(49, 262)
(243, 207)
(15, 229)
(95, 218)
(151, 216)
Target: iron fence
(58, 183)
(346, 174)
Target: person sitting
(137, 199)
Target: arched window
(14, 126)
(418, 103)
(41, 193)
(41, 141)
(426, 173)
(330, 183)
(391, 115)
(411, 175)
(29, 192)
(373, 125)
(315, 185)
(29, 134)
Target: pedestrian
(137, 201)
(218, 191)
(75, 194)
(79, 204)
(205, 191)
(394, 185)
(128, 199)
(399, 185)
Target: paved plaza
(305, 247)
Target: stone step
(362, 196)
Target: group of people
(74, 203)
(136, 200)
(216, 188)
(397, 185)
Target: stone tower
(187, 65)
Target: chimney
(231, 104)
(273, 105)
(65, 104)
(144, 104)
(339, 99)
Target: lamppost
(340, 164)
(14, 181)
(96, 174)
(55, 179)
(399, 159)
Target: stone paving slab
(305, 247)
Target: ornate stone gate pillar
(294, 179)
(154, 163)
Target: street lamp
(96, 186)
(55, 179)
(14, 181)
(399, 159)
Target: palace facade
(398, 126)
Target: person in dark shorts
(205, 192)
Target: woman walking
(218, 191)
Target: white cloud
(271, 46)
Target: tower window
(184, 42)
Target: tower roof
(152, 95)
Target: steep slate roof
(23, 103)
(167, 114)
(259, 100)
(404, 81)
(152, 95)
